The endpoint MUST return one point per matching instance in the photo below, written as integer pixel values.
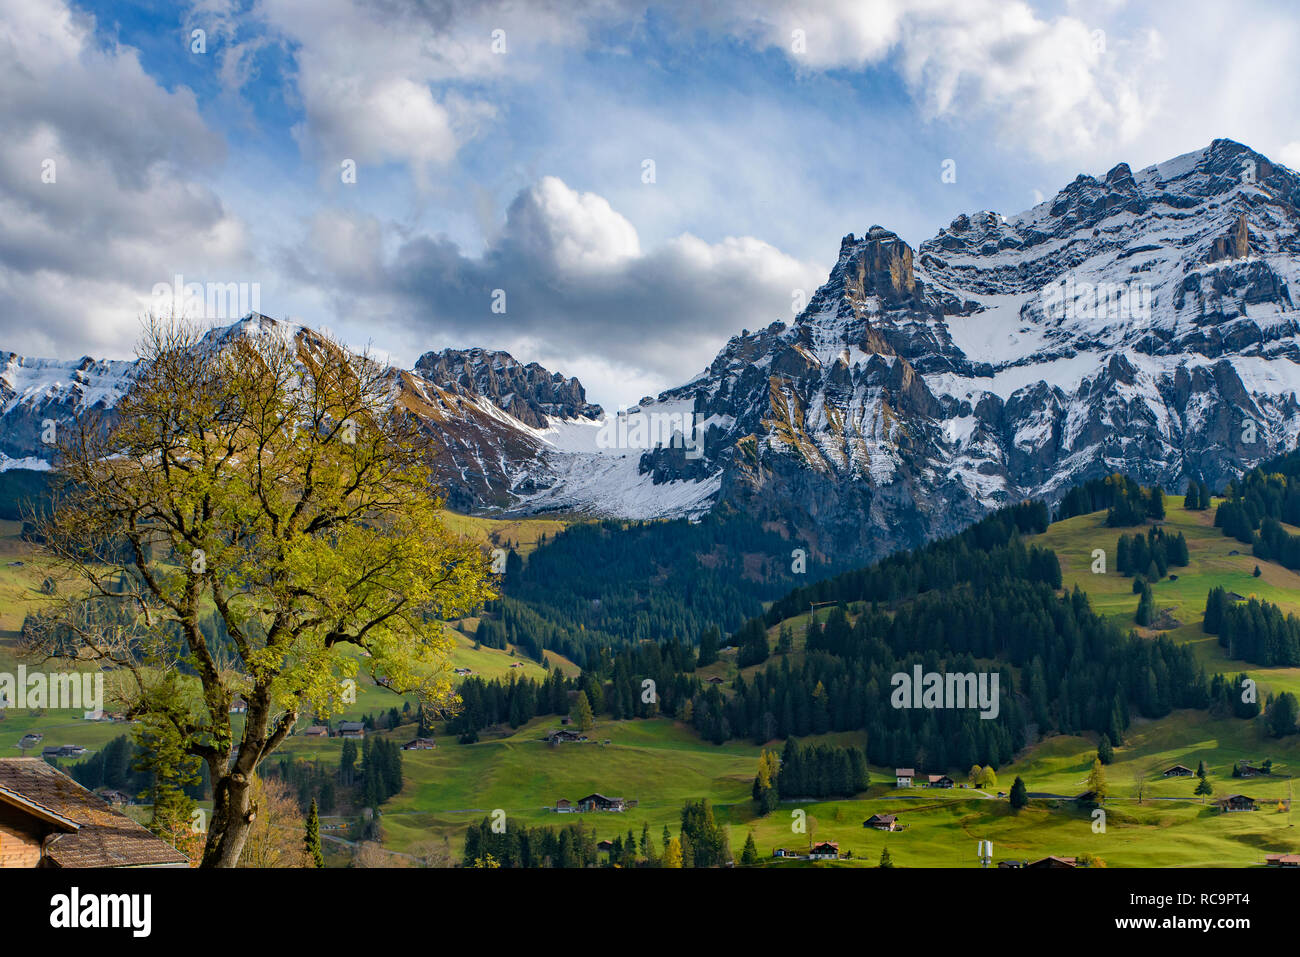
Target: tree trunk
(231, 821)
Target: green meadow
(1149, 820)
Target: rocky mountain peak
(529, 392)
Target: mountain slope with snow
(1138, 322)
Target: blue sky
(774, 129)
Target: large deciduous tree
(258, 506)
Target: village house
(239, 706)
(1282, 860)
(715, 680)
(63, 751)
(598, 802)
(782, 852)
(1010, 863)
(113, 796)
(49, 820)
(419, 744)
(903, 777)
(564, 806)
(825, 851)
(1054, 862)
(604, 846)
(882, 822)
(1237, 802)
(1178, 771)
(317, 731)
(938, 781)
(352, 729)
(463, 672)
(564, 736)
(1248, 770)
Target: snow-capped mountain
(1143, 323)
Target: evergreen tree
(749, 855)
(885, 859)
(1146, 607)
(1282, 713)
(1105, 752)
(1019, 793)
(312, 838)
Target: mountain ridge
(1140, 322)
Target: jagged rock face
(40, 396)
(528, 392)
(1138, 322)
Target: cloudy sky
(640, 181)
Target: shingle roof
(94, 834)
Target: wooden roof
(92, 833)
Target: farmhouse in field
(938, 781)
(605, 846)
(63, 751)
(420, 744)
(463, 672)
(317, 731)
(1054, 862)
(1237, 802)
(49, 820)
(239, 706)
(1245, 770)
(825, 851)
(882, 822)
(598, 802)
(903, 777)
(782, 852)
(564, 806)
(565, 736)
(1282, 860)
(352, 729)
(1178, 771)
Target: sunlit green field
(661, 763)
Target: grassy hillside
(1213, 562)
(660, 763)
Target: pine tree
(885, 859)
(749, 856)
(1146, 607)
(312, 839)
(1019, 794)
(1105, 751)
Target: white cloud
(126, 209)
(581, 293)
(1055, 85)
